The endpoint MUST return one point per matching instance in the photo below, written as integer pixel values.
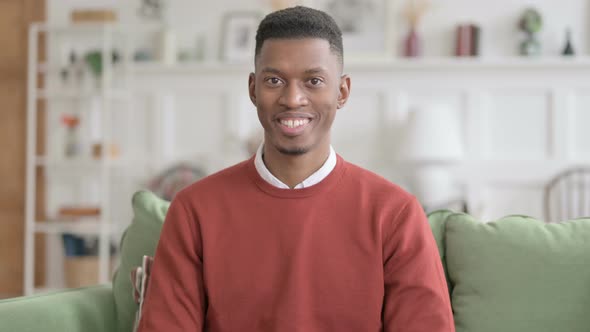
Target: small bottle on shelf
(72, 139)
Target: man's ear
(252, 88)
(343, 91)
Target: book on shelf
(93, 16)
(467, 40)
(76, 211)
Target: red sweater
(351, 253)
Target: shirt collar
(315, 178)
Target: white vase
(167, 46)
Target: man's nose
(293, 96)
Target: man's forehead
(310, 70)
(276, 45)
(315, 53)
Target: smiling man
(296, 238)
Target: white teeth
(294, 123)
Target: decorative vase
(72, 143)
(167, 46)
(569, 48)
(412, 47)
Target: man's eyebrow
(271, 70)
(316, 70)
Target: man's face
(297, 89)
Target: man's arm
(416, 295)
(175, 299)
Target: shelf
(86, 225)
(153, 67)
(72, 94)
(81, 163)
(84, 175)
(45, 68)
(98, 27)
(509, 62)
(381, 63)
(77, 28)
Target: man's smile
(293, 123)
(293, 126)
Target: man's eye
(273, 81)
(315, 81)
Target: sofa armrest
(90, 309)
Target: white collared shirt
(315, 178)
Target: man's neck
(293, 169)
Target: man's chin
(296, 151)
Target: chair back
(567, 195)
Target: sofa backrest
(516, 273)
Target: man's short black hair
(300, 22)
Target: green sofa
(514, 274)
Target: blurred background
(472, 105)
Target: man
(296, 238)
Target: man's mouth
(294, 123)
(293, 126)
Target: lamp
(432, 143)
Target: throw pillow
(140, 238)
(519, 274)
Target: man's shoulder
(378, 193)
(374, 183)
(230, 177)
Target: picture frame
(367, 28)
(238, 36)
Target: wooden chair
(567, 195)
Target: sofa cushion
(519, 274)
(140, 238)
(437, 220)
(90, 309)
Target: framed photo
(238, 36)
(365, 24)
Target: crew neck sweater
(351, 253)
(311, 180)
